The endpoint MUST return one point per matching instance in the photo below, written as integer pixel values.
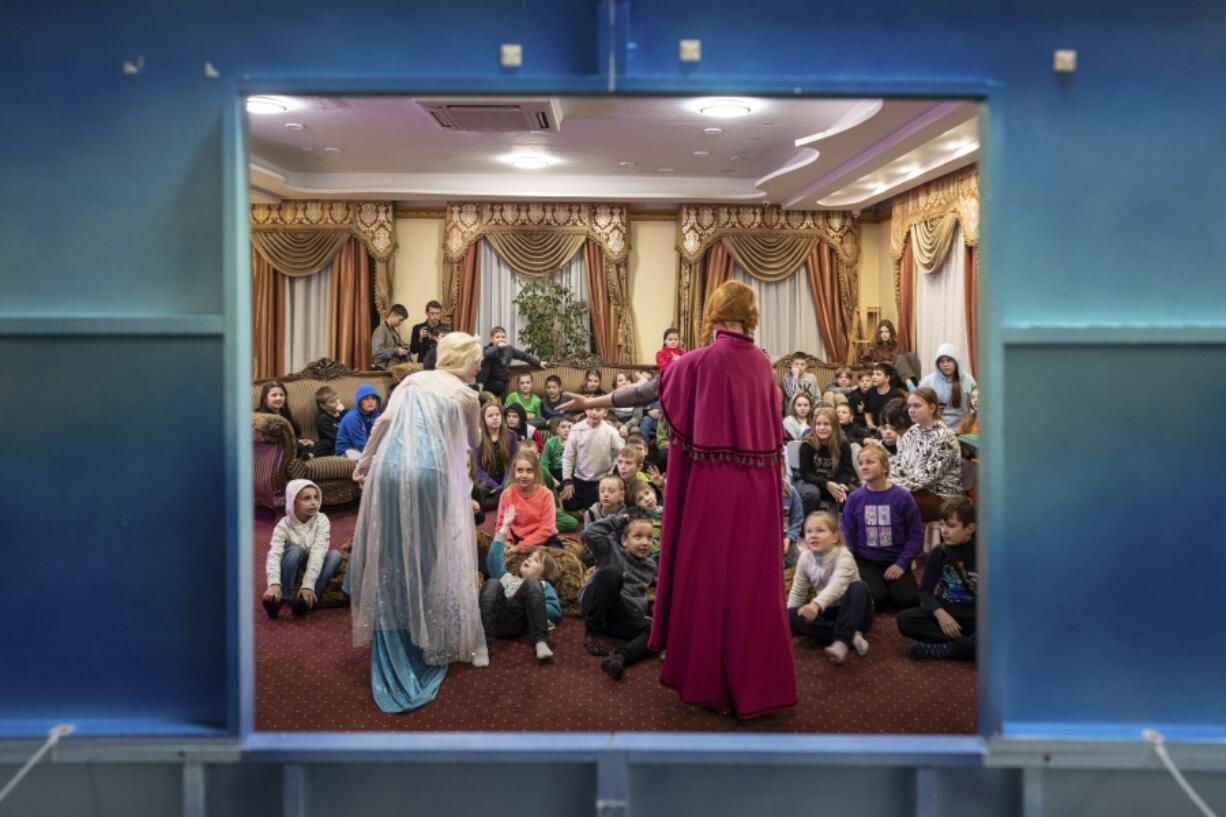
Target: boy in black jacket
(496, 362)
(944, 623)
(614, 601)
(326, 421)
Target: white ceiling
(857, 153)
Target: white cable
(53, 737)
(1159, 744)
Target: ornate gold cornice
(606, 224)
(956, 193)
(371, 221)
(421, 212)
(700, 225)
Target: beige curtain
(769, 257)
(267, 318)
(833, 322)
(468, 271)
(972, 307)
(932, 239)
(604, 320)
(536, 253)
(299, 252)
(349, 327)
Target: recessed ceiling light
(294, 126)
(712, 131)
(266, 104)
(724, 108)
(528, 161)
(332, 150)
(702, 153)
(628, 164)
(735, 159)
(666, 170)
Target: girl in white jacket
(304, 533)
(841, 612)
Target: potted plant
(555, 322)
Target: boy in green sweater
(551, 457)
(531, 403)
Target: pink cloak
(720, 611)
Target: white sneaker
(481, 658)
(860, 643)
(543, 653)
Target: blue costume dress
(412, 572)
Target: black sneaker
(273, 608)
(300, 606)
(613, 667)
(928, 652)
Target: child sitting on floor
(882, 527)
(793, 520)
(590, 453)
(355, 426)
(796, 424)
(515, 418)
(642, 495)
(304, 533)
(551, 456)
(798, 380)
(592, 386)
(842, 610)
(614, 600)
(553, 398)
(492, 458)
(272, 401)
(826, 469)
(944, 623)
(534, 504)
(327, 421)
(857, 397)
(629, 464)
(852, 431)
(523, 397)
(671, 349)
(626, 419)
(612, 499)
(527, 603)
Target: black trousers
(839, 623)
(522, 613)
(605, 611)
(813, 498)
(901, 594)
(586, 493)
(921, 625)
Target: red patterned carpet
(309, 678)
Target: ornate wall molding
(700, 225)
(373, 222)
(956, 193)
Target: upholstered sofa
(275, 459)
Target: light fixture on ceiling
(702, 153)
(294, 126)
(528, 161)
(666, 170)
(724, 108)
(266, 104)
(712, 131)
(628, 164)
(332, 150)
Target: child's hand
(787, 543)
(360, 478)
(507, 518)
(949, 624)
(623, 431)
(307, 595)
(893, 573)
(657, 479)
(273, 593)
(809, 612)
(476, 507)
(568, 491)
(839, 492)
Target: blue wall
(1103, 206)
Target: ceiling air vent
(494, 116)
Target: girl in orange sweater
(535, 522)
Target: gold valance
(298, 253)
(535, 254)
(769, 257)
(373, 222)
(768, 243)
(956, 194)
(932, 239)
(606, 224)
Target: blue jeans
(293, 558)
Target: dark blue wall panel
(1102, 206)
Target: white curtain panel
(787, 321)
(500, 284)
(940, 307)
(306, 318)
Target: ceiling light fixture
(266, 104)
(332, 150)
(628, 164)
(724, 108)
(528, 161)
(712, 131)
(666, 170)
(294, 126)
(702, 153)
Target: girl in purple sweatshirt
(883, 529)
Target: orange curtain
(832, 321)
(972, 307)
(267, 318)
(350, 303)
(718, 264)
(604, 322)
(465, 317)
(906, 297)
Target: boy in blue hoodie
(355, 426)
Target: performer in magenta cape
(720, 614)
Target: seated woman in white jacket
(841, 612)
